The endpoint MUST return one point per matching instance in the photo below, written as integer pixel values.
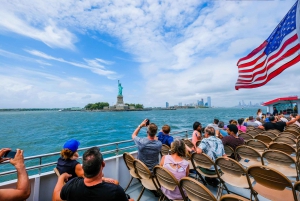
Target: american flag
(277, 53)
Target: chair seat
(240, 182)
(148, 184)
(274, 195)
(133, 174)
(233, 196)
(286, 170)
(250, 163)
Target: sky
(57, 54)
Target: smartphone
(10, 154)
(147, 122)
(246, 160)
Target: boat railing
(39, 164)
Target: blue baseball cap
(72, 145)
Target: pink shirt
(194, 137)
(242, 128)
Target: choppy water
(44, 132)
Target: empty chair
(232, 173)
(270, 134)
(233, 197)
(252, 132)
(249, 156)
(281, 146)
(167, 180)
(164, 150)
(287, 134)
(294, 131)
(202, 164)
(282, 162)
(145, 176)
(271, 184)
(128, 159)
(188, 143)
(259, 130)
(275, 131)
(250, 128)
(286, 140)
(229, 151)
(195, 190)
(245, 136)
(264, 138)
(257, 145)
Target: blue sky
(71, 53)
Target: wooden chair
(195, 190)
(264, 138)
(282, 162)
(271, 184)
(164, 150)
(270, 134)
(259, 130)
(288, 134)
(167, 180)
(275, 131)
(250, 128)
(252, 132)
(203, 161)
(294, 131)
(234, 174)
(249, 156)
(286, 140)
(229, 151)
(257, 145)
(198, 143)
(146, 177)
(246, 136)
(56, 172)
(188, 143)
(128, 159)
(233, 197)
(284, 147)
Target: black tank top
(67, 166)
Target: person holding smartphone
(22, 192)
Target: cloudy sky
(70, 53)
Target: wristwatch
(140, 126)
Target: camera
(147, 122)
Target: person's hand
(143, 124)
(2, 152)
(65, 176)
(18, 160)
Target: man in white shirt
(258, 121)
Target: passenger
(177, 165)
(293, 115)
(215, 125)
(240, 126)
(213, 147)
(275, 111)
(91, 187)
(197, 132)
(233, 140)
(282, 118)
(257, 120)
(267, 117)
(221, 129)
(251, 122)
(148, 147)
(22, 192)
(164, 135)
(273, 124)
(259, 113)
(68, 161)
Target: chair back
(56, 172)
(203, 161)
(281, 162)
(128, 159)
(259, 130)
(297, 186)
(257, 144)
(232, 172)
(293, 130)
(198, 143)
(166, 179)
(271, 183)
(264, 138)
(286, 140)
(270, 134)
(233, 197)
(250, 128)
(188, 143)
(280, 146)
(229, 151)
(144, 174)
(253, 133)
(249, 156)
(195, 190)
(164, 150)
(245, 136)
(275, 131)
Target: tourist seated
(245, 121)
(293, 115)
(268, 114)
(68, 161)
(240, 125)
(22, 191)
(148, 147)
(177, 165)
(164, 135)
(251, 122)
(273, 124)
(197, 127)
(257, 120)
(221, 129)
(215, 125)
(232, 139)
(212, 146)
(91, 187)
(282, 118)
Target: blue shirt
(223, 132)
(165, 139)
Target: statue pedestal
(120, 100)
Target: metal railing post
(186, 135)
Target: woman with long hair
(197, 127)
(177, 165)
(259, 113)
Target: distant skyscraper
(167, 104)
(180, 104)
(208, 101)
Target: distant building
(208, 101)
(167, 105)
(180, 104)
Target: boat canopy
(285, 105)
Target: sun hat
(72, 145)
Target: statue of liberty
(120, 88)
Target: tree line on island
(101, 105)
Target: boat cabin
(286, 105)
